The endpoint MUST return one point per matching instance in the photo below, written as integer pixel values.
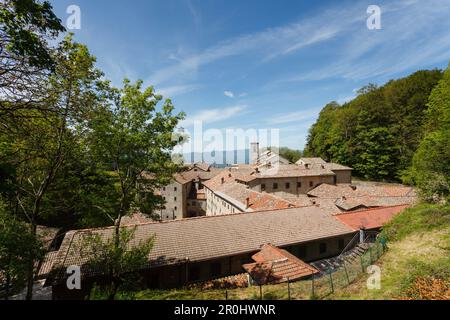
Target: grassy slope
(419, 244)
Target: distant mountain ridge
(219, 158)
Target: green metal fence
(318, 286)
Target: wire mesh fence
(315, 287)
(318, 286)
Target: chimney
(247, 202)
(254, 152)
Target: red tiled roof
(371, 218)
(211, 237)
(256, 200)
(188, 176)
(274, 265)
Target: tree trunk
(30, 271)
(114, 287)
(8, 277)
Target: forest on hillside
(395, 132)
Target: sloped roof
(271, 156)
(256, 200)
(205, 238)
(230, 175)
(292, 170)
(326, 190)
(200, 165)
(343, 197)
(188, 176)
(313, 160)
(274, 265)
(371, 218)
(336, 166)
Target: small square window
(174, 188)
(299, 184)
(263, 187)
(275, 186)
(174, 198)
(311, 184)
(288, 185)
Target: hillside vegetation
(399, 131)
(417, 263)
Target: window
(174, 188)
(175, 208)
(311, 184)
(299, 184)
(263, 187)
(322, 247)
(164, 188)
(302, 252)
(288, 185)
(215, 269)
(275, 186)
(174, 198)
(194, 273)
(341, 244)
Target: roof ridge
(377, 208)
(188, 219)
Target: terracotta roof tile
(256, 200)
(274, 265)
(205, 238)
(311, 161)
(371, 218)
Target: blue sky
(261, 64)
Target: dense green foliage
(423, 217)
(74, 151)
(116, 258)
(17, 246)
(378, 132)
(430, 169)
(290, 154)
(24, 22)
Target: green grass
(421, 218)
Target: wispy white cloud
(295, 116)
(172, 91)
(267, 44)
(394, 48)
(213, 115)
(228, 94)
